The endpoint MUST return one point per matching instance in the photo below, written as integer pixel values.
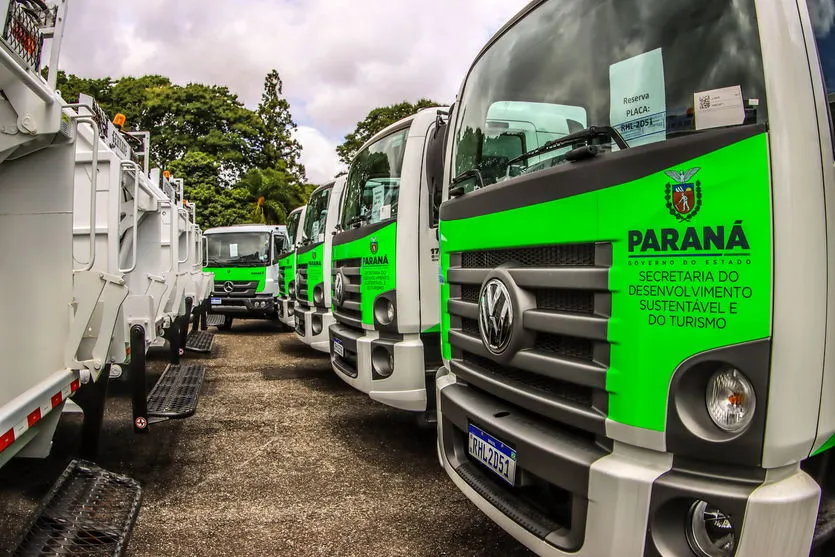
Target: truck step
(200, 341)
(825, 527)
(215, 319)
(89, 511)
(175, 394)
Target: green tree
(229, 156)
(203, 118)
(217, 205)
(273, 193)
(71, 86)
(278, 148)
(377, 120)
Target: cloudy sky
(338, 58)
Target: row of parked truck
(604, 271)
(101, 261)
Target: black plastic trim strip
(348, 320)
(309, 247)
(562, 411)
(605, 171)
(579, 372)
(347, 336)
(348, 236)
(559, 323)
(544, 450)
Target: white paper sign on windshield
(719, 107)
(378, 195)
(315, 230)
(385, 212)
(638, 99)
(233, 250)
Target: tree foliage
(228, 155)
(377, 120)
(280, 149)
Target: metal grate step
(175, 394)
(215, 319)
(200, 341)
(88, 512)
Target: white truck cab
(313, 315)
(385, 341)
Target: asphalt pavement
(281, 458)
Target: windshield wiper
(359, 220)
(582, 136)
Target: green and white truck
(386, 296)
(312, 289)
(287, 267)
(637, 280)
(244, 260)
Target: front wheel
(227, 323)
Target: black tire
(227, 323)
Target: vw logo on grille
(495, 316)
(339, 289)
(228, 287)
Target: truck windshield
(292, 226)
(373, 186)
(238, 249)
(653, 71)
(316, 216)
(823, 24)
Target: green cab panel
(377, 252)
(287, 269)
(313, 259)
(684, 279)
(240, 273)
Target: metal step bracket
(97, 298)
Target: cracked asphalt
(281, 458)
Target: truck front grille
(349, 312)
(559, 370)
(543, 256)
(301, 286)
(235, 288)
(283, 291)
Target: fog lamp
(710, 532)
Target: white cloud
(338, 58)
(318, 155)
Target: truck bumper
(312, 327)
(259, 307)
(403, 388)
(285, 308)
(624, 501)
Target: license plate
(216, 301)
(494, 454)
(338, 348)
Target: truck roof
(400, 124)
(247, 228)
(323, 186)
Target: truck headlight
(730, 400)
(384, 311)
(710, 531)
